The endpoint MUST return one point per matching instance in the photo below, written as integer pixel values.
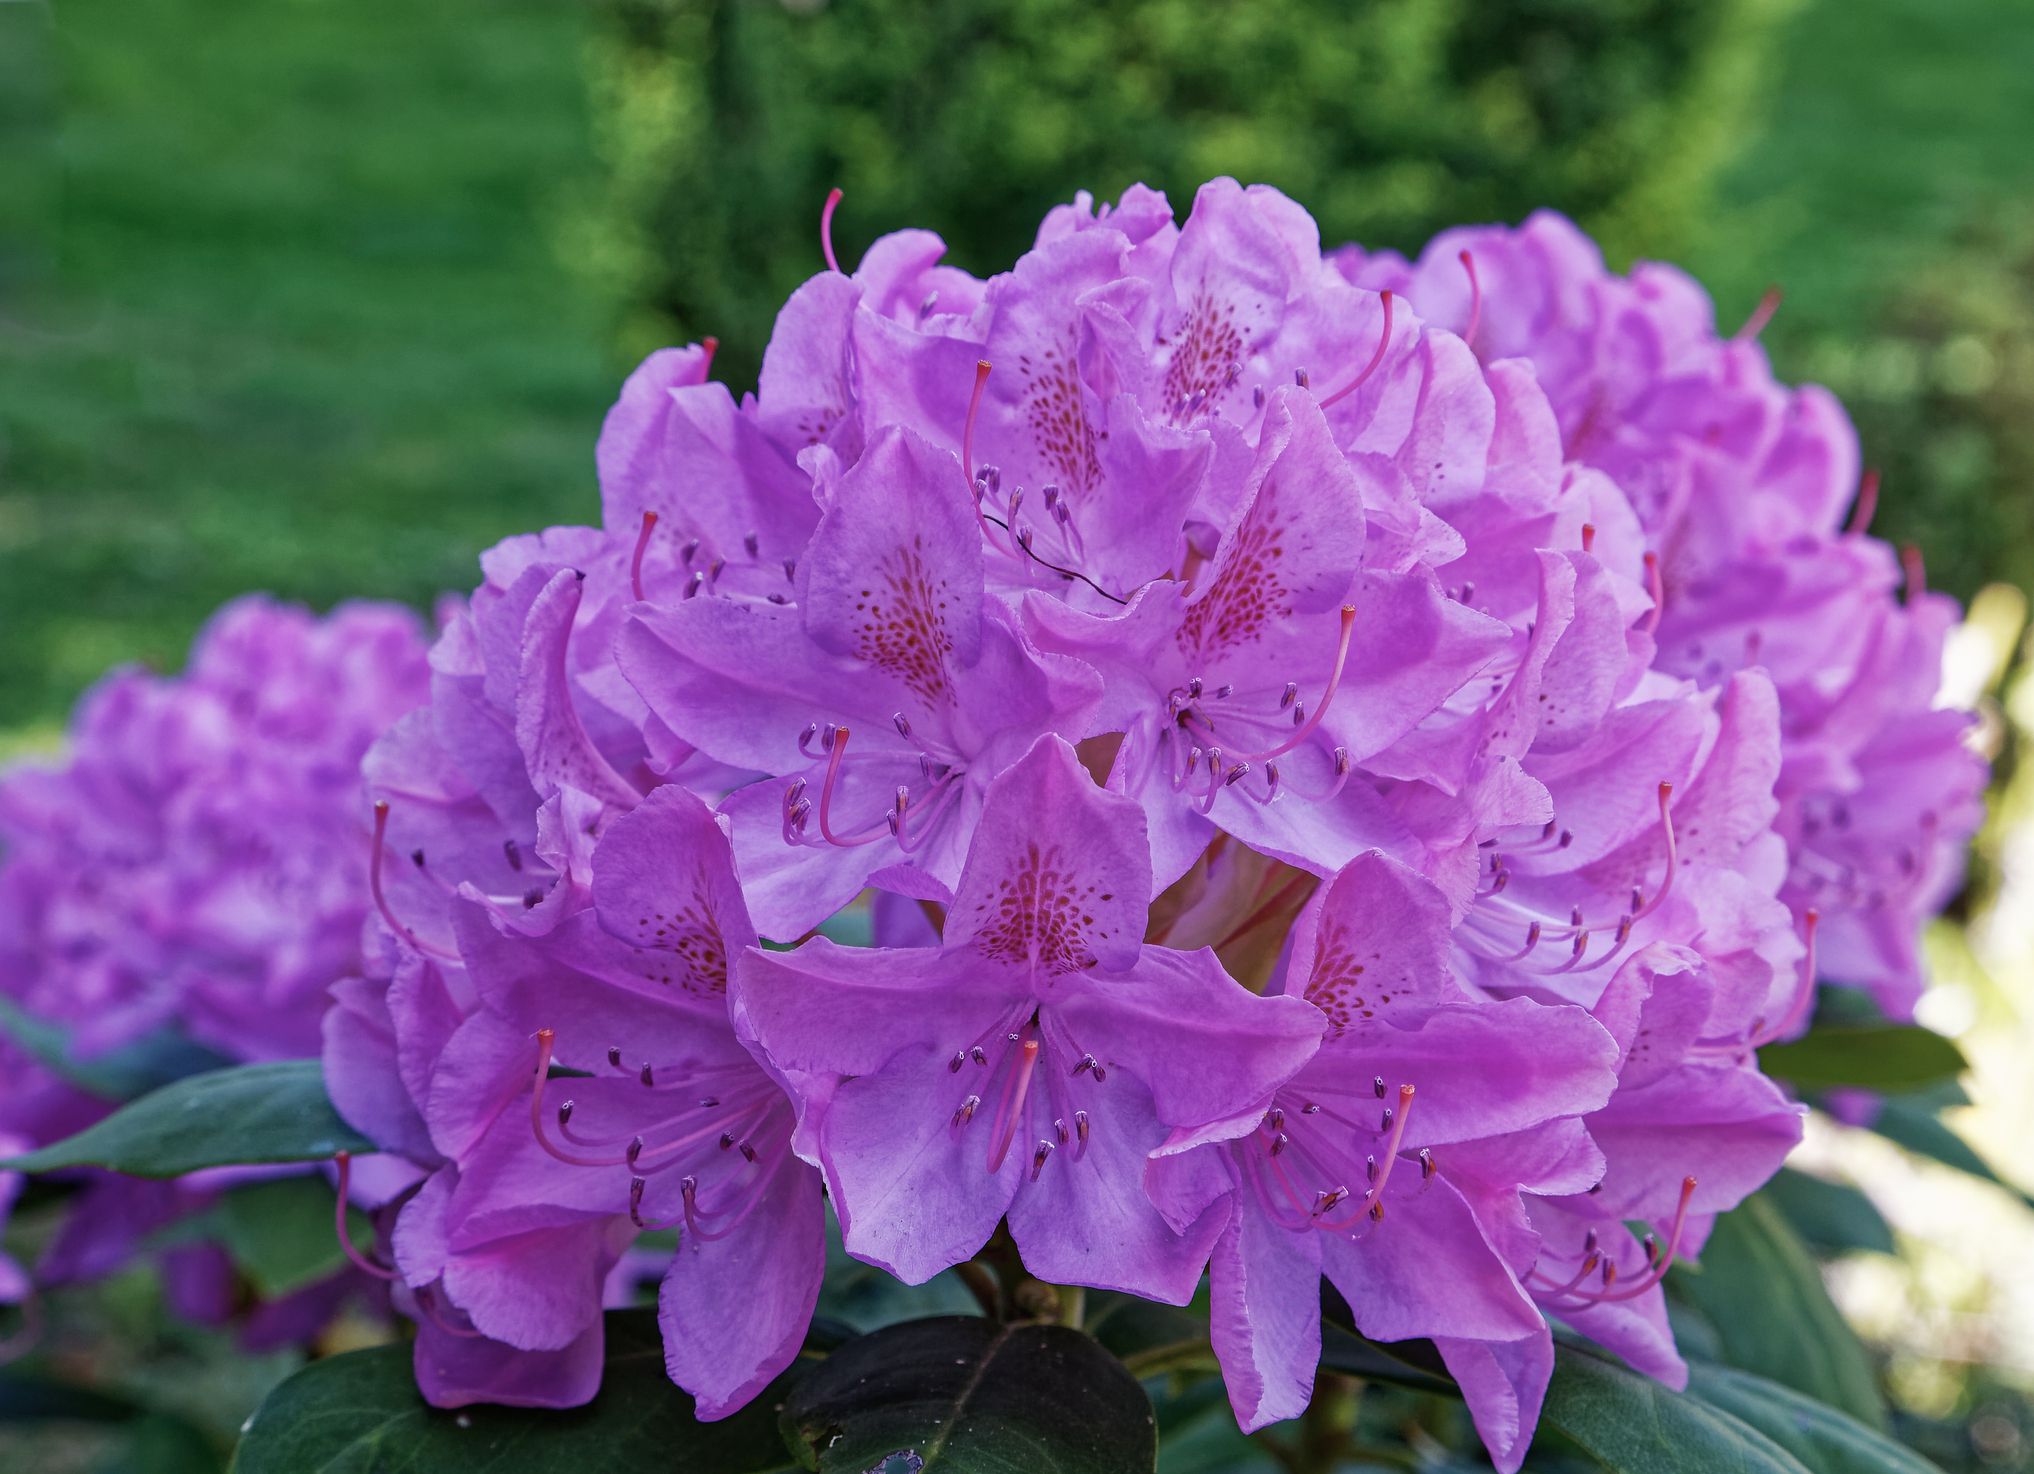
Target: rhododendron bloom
(1395, 1160)
(1027, 1064)
(1742, 486)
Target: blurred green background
(323, 296)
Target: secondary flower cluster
(188, 872)
(1323, 791)
(1751, 496)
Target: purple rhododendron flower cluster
(1750, 494)
(1332, 791)
(189, 867)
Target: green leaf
(360, 1414)
(1832, 1217)
(1148, 1337)
(965, 1395)
(1413, 1364)
(120, 1074)
(1877, 1056)
(861, 1297)
(1823, 1439)
(1761, 1290)
(274, 1112)
(1914, 1125)
(1632, 1423)
(279, 1234)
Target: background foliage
(323, 297)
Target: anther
(648, 1077)
(1038, 1157)
(614, 1056)
(1588, 537)
(1426, 1164)
(514, 852)
(1299, 377)
(1377, 1085)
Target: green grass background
(292, 294)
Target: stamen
(711, 345)
(545, 1039)
(1804, 996)
(968, 425)
(1306, 728)
(1660, 1266)
(826, 229)
(642, 546)
(1475, 299)
(1383, 342)
(840, 743)
(1917, 573)
(1588, 537)
(1762, 314)
(1673, 855)
(360, 1261)
(381, 900)
(1038, 1157)
(1867, 501)
(1010, 1108)
(1658, 589)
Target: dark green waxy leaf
(1761, 1290)
(274, 1112)
(121, 1074)
(360, 1414)
(280, 1234)
(1831, 1217)
(965, 1395)
(1875, 1056)
(1823, 1439)
(1634, 1425)
(1148, 1337)
(1413, 1364)
(862, 1298)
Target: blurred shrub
(1940, 379)
(726, 121)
